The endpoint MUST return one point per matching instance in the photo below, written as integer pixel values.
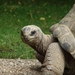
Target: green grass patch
(14, 14)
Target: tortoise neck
(42, 46)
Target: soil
(19, 67)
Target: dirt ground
(19, 67)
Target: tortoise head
(31, 34)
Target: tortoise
(55, 51)
(54, 59)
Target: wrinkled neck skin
(43, 44)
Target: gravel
(19, 67)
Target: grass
(15, 14)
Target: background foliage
(14, 14)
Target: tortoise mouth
(22, 33)
(23, 37)
(26, 39)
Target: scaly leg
(54, 62)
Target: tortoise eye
(33, 32)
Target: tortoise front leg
(39, 57)
(54, 62)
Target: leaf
(42, 18)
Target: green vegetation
(14, 14)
